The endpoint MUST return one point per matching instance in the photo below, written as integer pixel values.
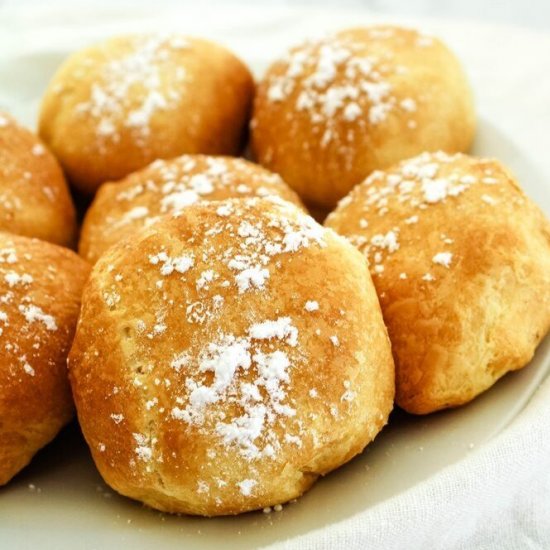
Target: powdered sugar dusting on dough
(139, 72)
(23, 316)
(417, 184)
(34, 313)
(443, 258)
(340, 78)
(236, 253)
(168, 187)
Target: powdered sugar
(8, 256)
(13, 278)
(117, 418)
(408, 104)
(181, 264)
(435, 190)
(252, 277)
(34, 313)
(26, 367)
(388, 241)
(38, 149)
(134, 214)
(180, 360)
(231, 360)
(347, 78)
(281, 329)
(246, 486)
(417, 184)
(168, 187)
(25, 317)
(140, 69)
(443, 258)
(311, 305)
(143, 449)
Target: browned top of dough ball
(115, 107)
(122, 208)
(40, 286)
(461, 261)
(34, 198)
(333, 109)
(227, 357)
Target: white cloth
(497, 498)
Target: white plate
(60, 501)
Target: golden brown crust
(461, 261)
(167, 187)
(226, 358)
(40, 287)
(334, 110)
(115, 107)
(34, 197)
